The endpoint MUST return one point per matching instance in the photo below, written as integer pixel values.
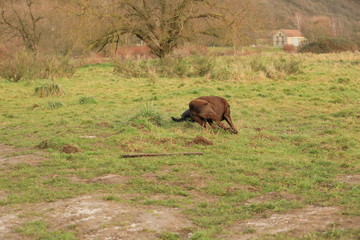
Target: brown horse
(209, 109)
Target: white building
(287, 37)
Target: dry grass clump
(47, 90)
(70, 149)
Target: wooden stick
(159, 154)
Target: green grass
(297, 133)
(39, 230)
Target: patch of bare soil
(273, 196)
(350, 179)
(9, 156)
(296, 222)
(7, 223)
(106, 179)
(199, 141)
(93, 218)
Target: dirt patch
(94, 218)
(296, 222)
(106, 179)
(273, 196)
(10, 156)
(350, 179)
(70, 149)
(199, 141)
(7, 223)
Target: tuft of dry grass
(47, 90)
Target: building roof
(292, 32)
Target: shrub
(55, 66)
(18, 66)
(48, 90)
(289, 48)
(27, 65)
(328, 45)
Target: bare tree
(322, 26)
(336, 27)
(19, 20)
(163, 24)
(297, 20)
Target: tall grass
(276, 68)
(216, 68)
(27, 65)
(194, 66)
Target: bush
(48, 90)
(328, 45)
(289, 48)
(27, 65)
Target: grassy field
(299, 136)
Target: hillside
(343, 17)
